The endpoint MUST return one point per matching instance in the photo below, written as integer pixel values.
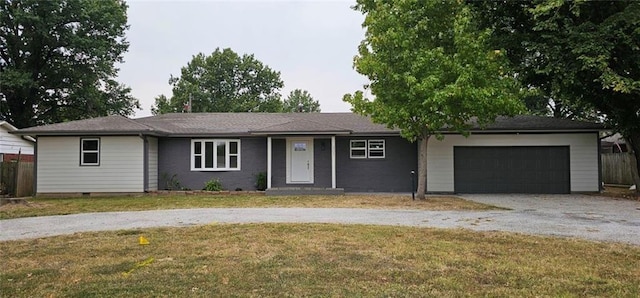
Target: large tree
(430, 69)
(515, 29)
(57, 60)
(223, 82)
(584, 54)
(300, 101)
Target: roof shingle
(114, 124)
(200, 124)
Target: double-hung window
(367, 149)
(376, 149)
(215, 155)
(89, 152)
(358, 149)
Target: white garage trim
(583, 152)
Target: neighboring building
(311, 151)
(613, 144)
(13, 145)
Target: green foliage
(171, 182)
(582, 56)
(261, 181)
(223, 82)
(430, 68)
(162, 106)
(57, 60)
(213, 185)
(300, 101)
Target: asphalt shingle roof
(247, 123)
(115, 124)
(539, 123)
(199, 124)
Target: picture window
(215, 155)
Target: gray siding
(174, 158)
(321, 164)
(390, 174)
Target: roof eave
(87, 133)
(570, 130)
(260, 133)
(376, 133)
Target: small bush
(261, 181)
(171, 182)
(213, 185)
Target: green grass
(321, 260)
(60, 206)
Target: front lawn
(322, 260)
(58, 206)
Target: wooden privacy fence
(617, 168)
(16, 178)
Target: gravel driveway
(582, 216)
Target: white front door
(300, 160)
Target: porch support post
(333, 161)
(268, 162)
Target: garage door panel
(543, 169)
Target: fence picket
(617, 168)
(16, 178)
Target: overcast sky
(311, 43)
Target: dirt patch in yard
(619, 192)
(59, 206)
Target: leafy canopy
(57, 60)
(430, 68)
(223, 82)
(300, 101)
(584, 55)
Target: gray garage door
(511, 169)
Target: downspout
(35, 167)
(600, 182)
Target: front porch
(301, 165)
(297, 191)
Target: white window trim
(227, 155)
(351, 148)
(367, 149)
(82, 152)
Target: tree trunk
(422, 166)
(633, 140)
